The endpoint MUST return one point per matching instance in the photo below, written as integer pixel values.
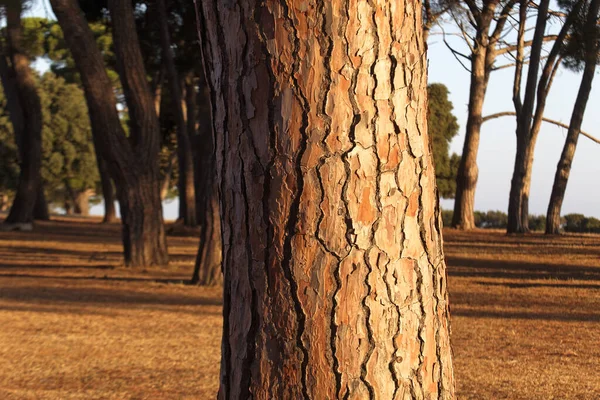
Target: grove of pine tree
(334, 276)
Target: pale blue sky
(497, 147)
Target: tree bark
(22, 210)
(334, 275)
(132, 162)
(563, 168)
(187, 195)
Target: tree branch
(527, 43)
(548, 120)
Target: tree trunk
(568, 153)
(187, 196)
(23, 206)
(110, 213)
(132, 162)
(468, 171)
(518, 203)
(334, 275)
(82, 202)
(40, 209)
(207, 271)
(483, 58)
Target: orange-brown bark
(334, 277)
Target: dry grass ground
(74, 324)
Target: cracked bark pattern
(334, 277)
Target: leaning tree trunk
(334, 275)
(566, 158)
(132, 161)
(187, 194)
(22, 209)
(518, 202)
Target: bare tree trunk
(11, 91)
(468, 171)
(529, 123)
(110, 213)
(82, 203)
(132, 162)
(187, 196)
(156, 89)
(568, 153)
(207, 270)
(483, 57)
(334, 275)
(23, 206)
(40, 209)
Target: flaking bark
(334, 276)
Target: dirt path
(74, 324)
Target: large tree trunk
(566, 158)
(187, 196)
(334, 275)
(22, 210)
(132, 162)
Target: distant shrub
(491, 220)
(537, 222)
(574, 222)
(578, 223)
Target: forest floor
(75, 324)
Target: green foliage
(580, 223)
(491, 219)
(68, 158)
(537, 222)
(573, 51)
(443, 126)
